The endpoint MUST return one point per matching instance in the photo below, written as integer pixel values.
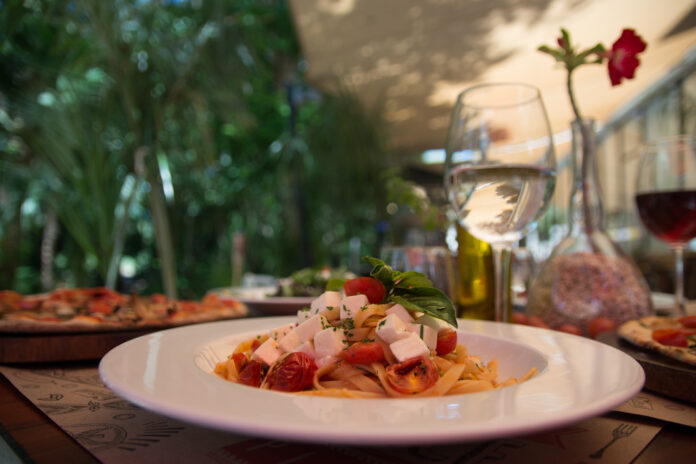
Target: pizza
(673, 337)
(98, 309)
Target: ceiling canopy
(414, 56)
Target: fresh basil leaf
(382, 272)
(428, 300)
(411, 279)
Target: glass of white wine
(500, 170)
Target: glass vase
(587, 275)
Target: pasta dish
(369, 340)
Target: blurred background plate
(278, 305)
(260, 303)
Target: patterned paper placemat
(116, 431)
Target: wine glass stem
(679, 302)
(501, 267)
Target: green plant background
(153, 132)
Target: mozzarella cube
(303, 314)
(326, 360)
(409, 347)
(401, 312)
(331, 313)
(311, 326)
(327, 300)
(329, 342)
(426, 333)
(307, 348)
(290, 341)
(280, 332)
(268, 352)
(351, 305)
(391, 329)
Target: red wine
(670, 216)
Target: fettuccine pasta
(343, 346)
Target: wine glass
(666, 199)
(500, 170)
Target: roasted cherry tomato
(571, 329)
(372, 288)
(600, 324)
(293, 373)
(670, 337)
(446, 342)
(240, 361)
(688, 321)
(251, 374)
(536, 321)
(414, 375)
(363, 353)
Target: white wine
(500, 203)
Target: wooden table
(34, 438)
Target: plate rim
(317, 432)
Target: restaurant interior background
(170, 146)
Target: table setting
(390, 368)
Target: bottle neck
(585, 209)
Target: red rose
(622, 60)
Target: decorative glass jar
(587, 275)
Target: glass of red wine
(666, 199)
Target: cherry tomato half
(688, 321)
(251, 374)
(671, 337)
(600, 324)
(446, 342)
(363, 353)
(240, 360)
(372, 288)
(293, 373)
(414, 375)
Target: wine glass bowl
(666, 198)
(500, 169)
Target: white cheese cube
(327, 300)
(290, 341)
(329, 342)
(311, 326)
(331, 314)
(391, 329)
(400, 311)
(409, 347)
(326, 360)
(280, 332)
(307, 348)
(268, 352)
(351, 305)
(426, 333)
(303, 314)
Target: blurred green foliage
(151, 132)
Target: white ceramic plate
(167, 372)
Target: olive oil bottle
(474, 290)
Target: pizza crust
(639, 332)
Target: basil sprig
(413, 291)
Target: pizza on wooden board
(97, 309)
(673, 337)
